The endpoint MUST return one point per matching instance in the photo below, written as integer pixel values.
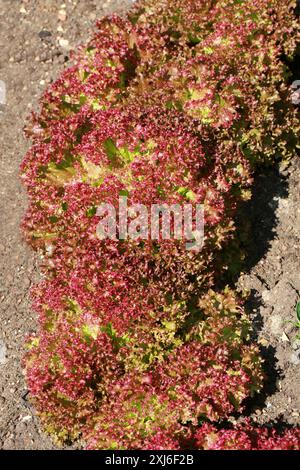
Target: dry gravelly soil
(35, 37)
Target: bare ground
(33, 49)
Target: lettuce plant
(138, 344)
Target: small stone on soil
(62, 15)
(295, 358)
(3, 352)
(45, 34)
(64, 43)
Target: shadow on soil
(257, 221)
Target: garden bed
(271, 267)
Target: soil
(272, 278)
(35, 42)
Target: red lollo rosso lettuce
(187, 59)
(193, 68)
(83, 367)
(246, 437)
(174, 104)
(226, 71)
(158, 159)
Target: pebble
(27, 418)
(45, 34)
(295, 358)
(3, 352)
(64, 43)
(284, 338)
(266, 295)
(276, 324)
(296, 344)
(62, 15)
